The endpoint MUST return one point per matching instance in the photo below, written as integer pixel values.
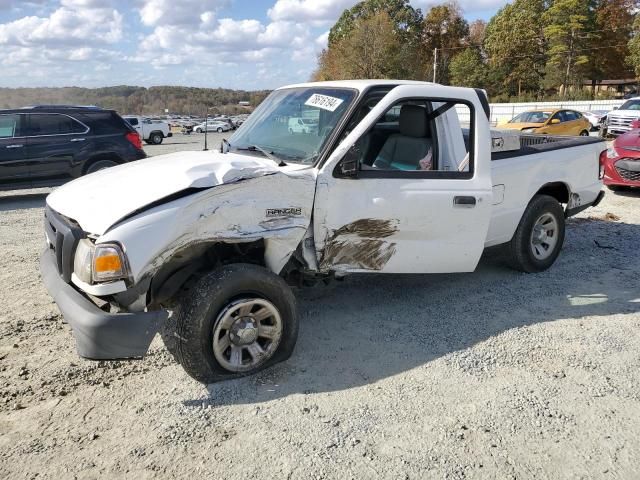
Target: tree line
(137, 100)
(530, 49)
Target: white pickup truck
(151, 131)
(203, 247)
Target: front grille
(630, 175)
(619, 121)
(64, 237)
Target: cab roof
(359, 85)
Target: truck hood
(100, 200)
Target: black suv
(48, 145)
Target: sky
(242, 44)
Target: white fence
(503, 112)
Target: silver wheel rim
(246, 334)
(544, 236)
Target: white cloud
(63, 27)
(309, 10)
(177, 12)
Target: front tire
(198, 130)
(539, 236)
(584, 133)
(234, 321)
(219, 130)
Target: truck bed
(562, 164)
(532, 144)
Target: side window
(571, 116)
(132, 121)
(418, 136)
(52, 124)
(9, 125)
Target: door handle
(15, 145)
(464, 202)
(78, 139)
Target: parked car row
(49, 145)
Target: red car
(622, 160)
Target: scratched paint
(360, 245)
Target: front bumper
(99, 335)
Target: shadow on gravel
(631, 192)
(369, 328)
(22, 201)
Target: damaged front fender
(275, 209)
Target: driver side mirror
(349, 164)
(555, 121)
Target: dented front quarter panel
(276, 208)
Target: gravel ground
(494, 374)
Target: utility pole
(435, 63)
(206, 129)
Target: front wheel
(539, 236)
(234, 321)
(156, 138)
(584, 133)
(198, 130)
(219, 130)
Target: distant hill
(136, 100)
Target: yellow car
(550, 122)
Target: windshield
(270, 128)
(631, 105)
(531, 117)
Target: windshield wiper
(269, 155)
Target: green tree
(633, 59)
(567, 23)
(515, 46)
(446, 30)
(468, 69)
(371, 50)
(613, 20)
(406, 19)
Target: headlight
(83, 259)
(611, 153)
(529, 130)
(99, 263)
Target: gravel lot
(494, 374)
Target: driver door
(392, 215)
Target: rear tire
(100, 165)
(539, 236)
(221, 314)
(156, 138)
(219, 130)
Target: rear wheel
(539, 236)
(234, 321)
(219, 130)
(198, 130)
(156, 138)
(100, 165)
